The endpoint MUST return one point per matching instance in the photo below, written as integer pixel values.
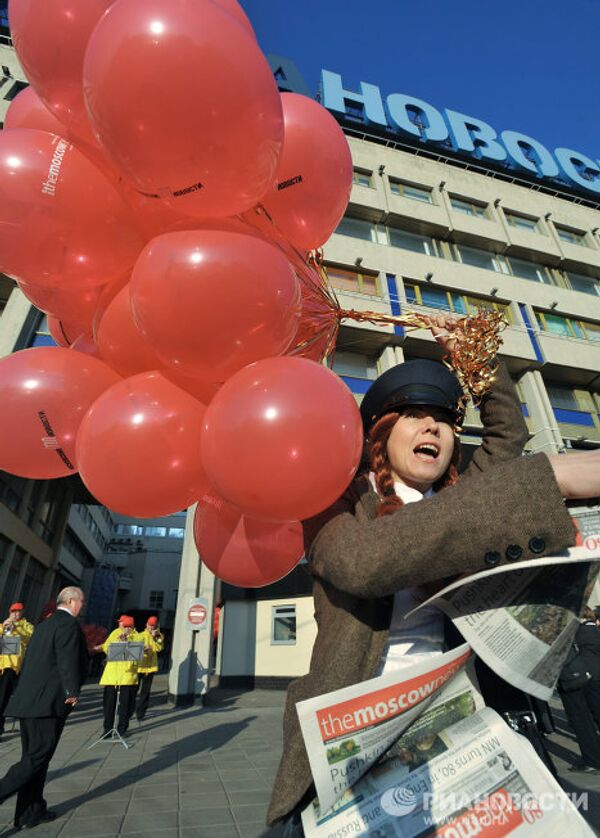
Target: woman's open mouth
(427, 452)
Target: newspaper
(476, 777)
(347, 731)
(521, 618)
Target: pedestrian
(119, 677)
(15, 625)
(580, 672)
(588, 641)
(49, 685)
(407, 521)
(154, 642)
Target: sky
(531, 66)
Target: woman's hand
(577, 475)
(442, 326)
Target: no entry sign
(198, 614)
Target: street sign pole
(190, 655)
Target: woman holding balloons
(407, 521)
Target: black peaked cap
(411, 383)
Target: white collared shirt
(421, 635)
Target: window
(409, 190)
(573, 407)
(567, 327)
(129, 529)
(355, 364)
(477, 258)
(562, 397)
(12, 490)
(411, 241)
(176, 532)
(283, 625)
(156, 532)
(156, 599)
(524, 269)
(358, 228)
(31, 588)
(76, 549)
(362, 177)
(447, 300)
(570, 236)
(522, 222)
(585, 284)
(355, 369)
(468, 207)
(347, 280)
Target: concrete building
(147, 555)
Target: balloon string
(476, 338)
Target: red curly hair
(382, 469)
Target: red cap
(16, 606)
(126, 622)
(152, 621)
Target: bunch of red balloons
(130, 172)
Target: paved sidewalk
(189, 772)
(197, 771)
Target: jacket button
(537, 544)
(492, 558)
(513, 552)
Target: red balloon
(314, 176)
(210, 302)
(85, 344)
(196, 387)
(120, 343)
(138, 448)
(105, 297)
(243, 551)
(62, 224)
(53, 62)
(63, 334)
(28, 111)
(282, 439)
(234, 8)
(45, 393)
(185, 104)
(74, 306)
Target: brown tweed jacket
(502, 502)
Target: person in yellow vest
(10, 665)
(154, 642)
(121, 674)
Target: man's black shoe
(45, 817)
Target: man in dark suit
(588, 641)
(53, 673)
